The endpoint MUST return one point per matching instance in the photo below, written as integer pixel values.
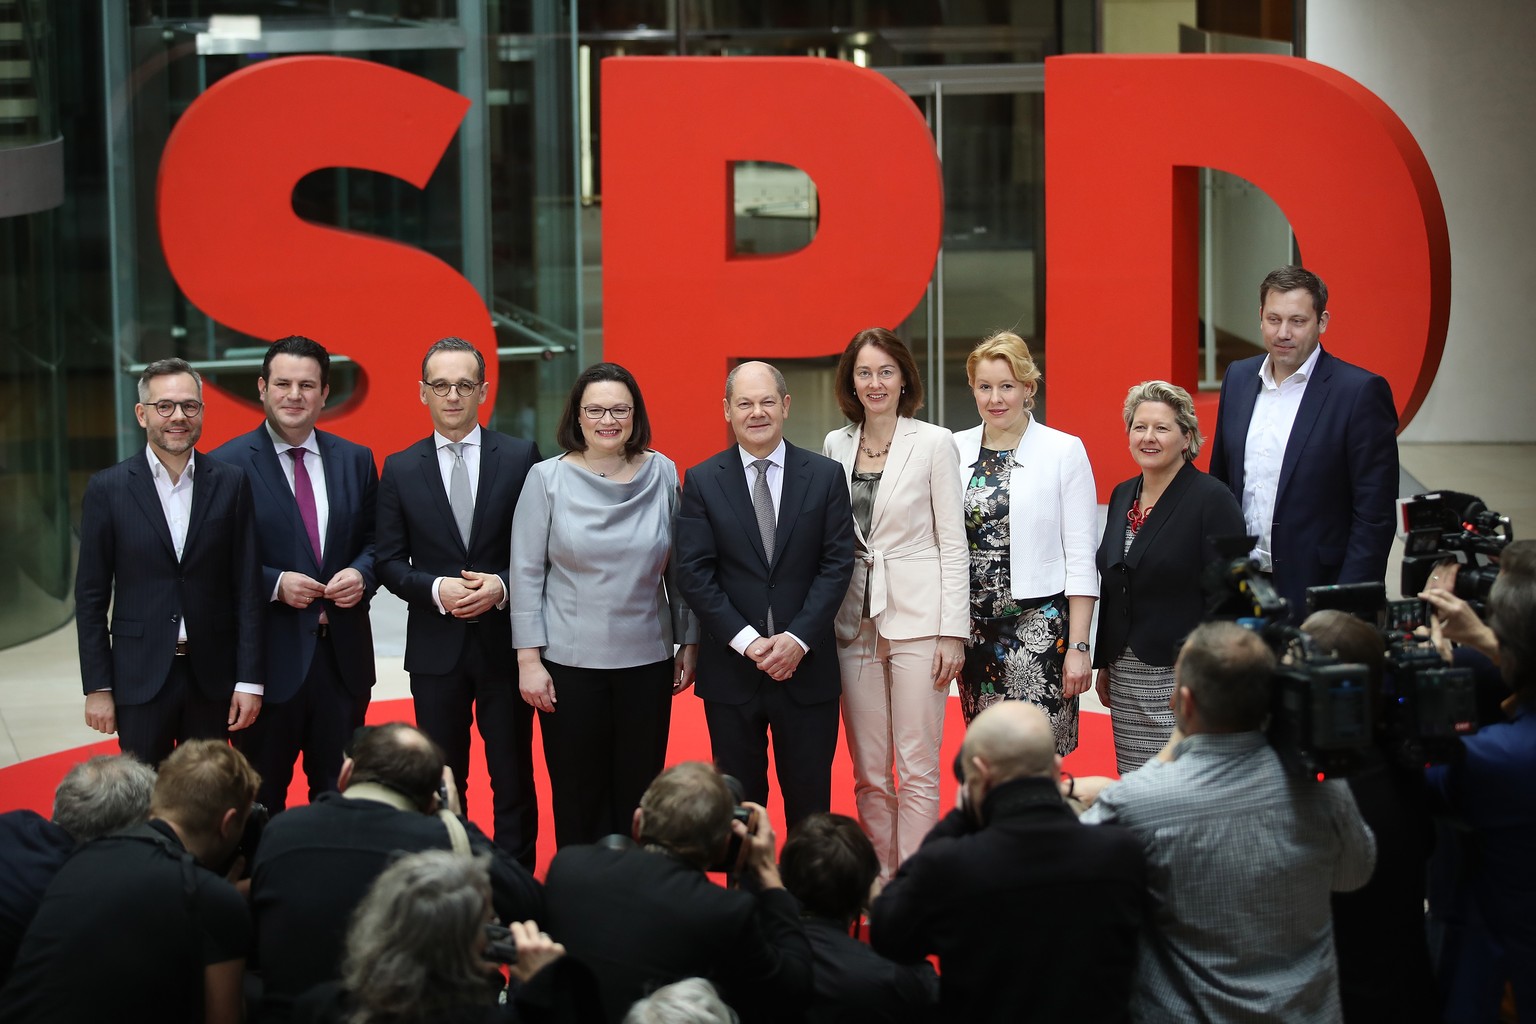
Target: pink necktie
(304, 491)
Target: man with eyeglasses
(444, 546)
(314, 502)
(167, 542)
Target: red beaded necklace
(1137, 515)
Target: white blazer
(916, 566)
(1052, 512)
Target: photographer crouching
(1491, 790)
(645, 914)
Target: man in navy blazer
(769, 659)
(1308, 445)
(166, 541)
(314, 495)
(444, 546)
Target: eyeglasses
(465, 388)
(884, 373)
(620, 413)
(191, 408)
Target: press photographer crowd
(1325, 808)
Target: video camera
(1425, 706)
(1320, 720)
(1444, 525)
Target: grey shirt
(1241, 859)
(591, 566)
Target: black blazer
(127, 561)
(351, 492)
(418, 541)
(1338, 481)
(728, 582)
(642, 919)
(1150, 596)
(1000, 903)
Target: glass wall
(36, 593)
(515, 206)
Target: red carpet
(31, 783)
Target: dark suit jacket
(728, 582)
(127, 560)
(418, 541)
(856, 985)
(316, 863)
(351, 491)
(1150, 596)
(643, 919)
(1000, 904)
(1338, 481)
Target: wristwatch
(1079, 646)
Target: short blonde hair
(1011, 349)
(1177, 399)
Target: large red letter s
(241, 254)
(1124, 137)
(678, 303)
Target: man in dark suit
(765, 552)
(1015, 852)
(166, 540)
(1308, 445)
(314, 496)
(648, 917)
(444, 547)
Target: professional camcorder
(1450, 525)
(1320, 719)
(1425, 706)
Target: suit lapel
(205, 484)
(1166, 508)
(1243, 395)
(269, 476)
(142, 487)
(1307, 415)
(903, 442)
(432, 485)
(797, 483)
(733, 485)
(490, 464)
(851, 456)
(337, 491)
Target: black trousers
(483, 690)
(804, 743)
(603, 744)
(316, 722)
(179, 712)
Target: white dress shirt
(316, 470)
(1274, 413)
(775, 473)
(176, 503)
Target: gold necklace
(874, 454)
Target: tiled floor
(40, 700)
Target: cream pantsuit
(910, 586)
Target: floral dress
(1017, 648)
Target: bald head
(1013, 738)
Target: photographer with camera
(142, 925)
(1241, 854)
(1378, 929)
(315, 863)
(1008, 881)
(645, 914)
(420, 951)
(1490, 789)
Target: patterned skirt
(1138, 709)
(1020, 657)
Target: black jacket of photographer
(642, 918)
(316, 863)
(999, 904)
